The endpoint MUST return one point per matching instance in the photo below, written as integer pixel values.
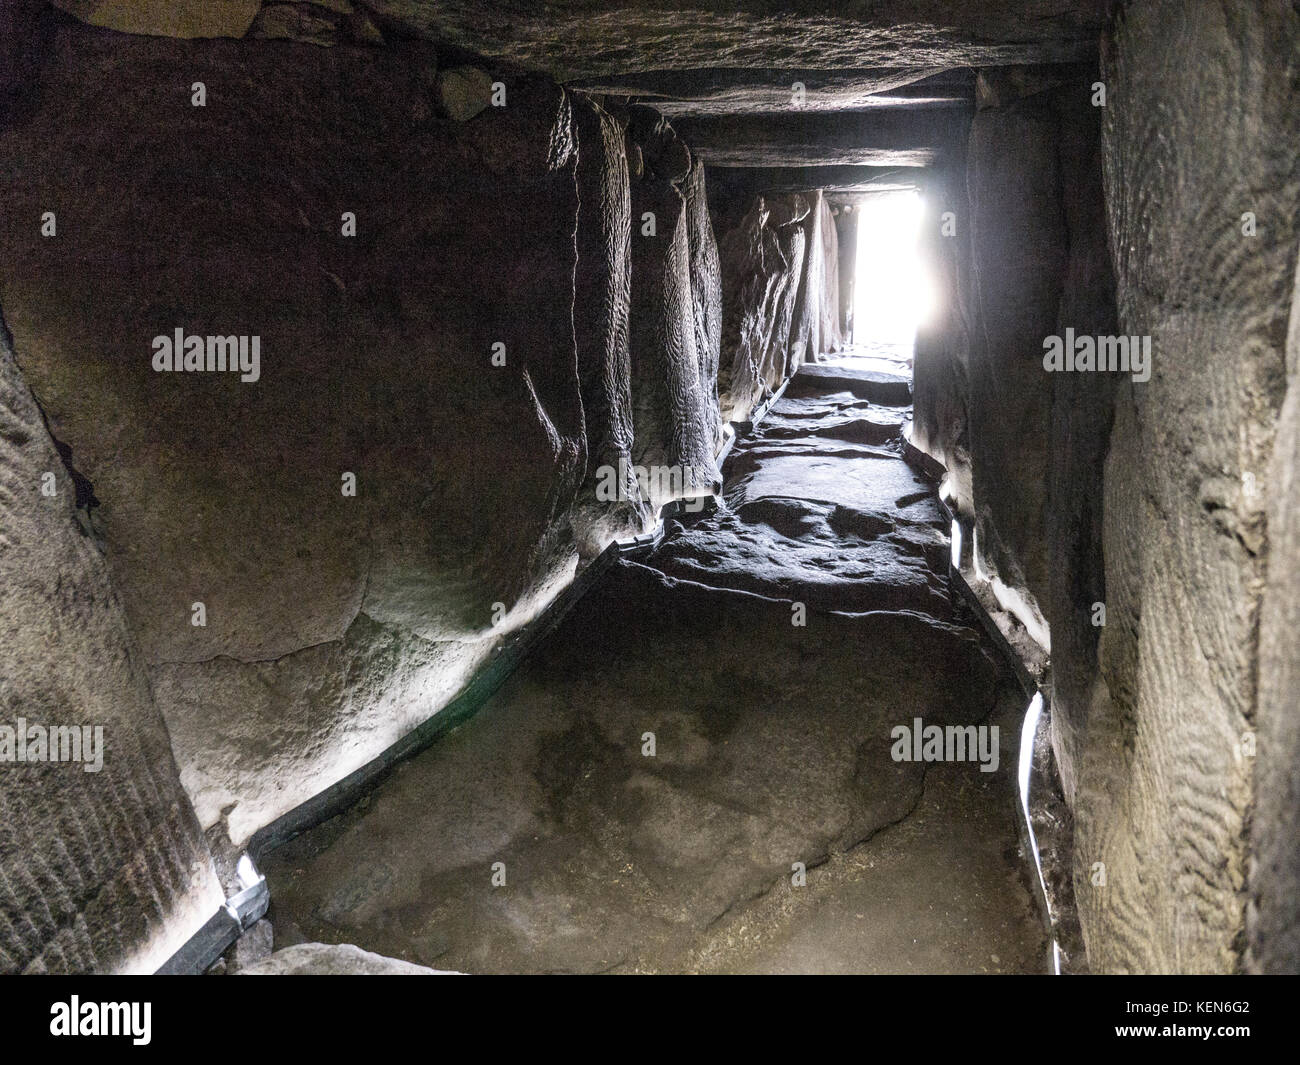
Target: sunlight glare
(893, 292)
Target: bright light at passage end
(892, 292)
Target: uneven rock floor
(771, 748)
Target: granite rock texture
(677, 427)
(333, 622)
(343, 959)
(578, 38)
(1166, 780)
(781, 296)
(105, 868)
(603, 295)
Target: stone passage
(771, 747)
(341, 339)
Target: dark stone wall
(761, 266)
(1020, 247)
(334, 624)
(675, 422)
(781, 293)
(1170, 213)
(706, 291)
(940, 365)
(602, 304)
(103, 870)
(1024, 446)
(496, 333)
(1188, 754)
(1081, 412)
(25, 30)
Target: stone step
(878, 386)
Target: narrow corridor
(771, 747)
(479, 485)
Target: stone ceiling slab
(691, 93)
(831, 179)
(884, 137)
(593, 38)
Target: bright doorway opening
(893, 293)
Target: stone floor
(771, 751)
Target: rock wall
(761, 265)
(105, 868)
(1081, 413)
(781, 291)
(333, 623)
(677, 427)
(706, 292)
(1020, 247)
(846, 241)
(443, 290)
(24, 29)
(603, 294)
(1025, 448)
(1169, 213)
(816, 326)
(940, 363)
(1188, 680)
(1273, 900)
